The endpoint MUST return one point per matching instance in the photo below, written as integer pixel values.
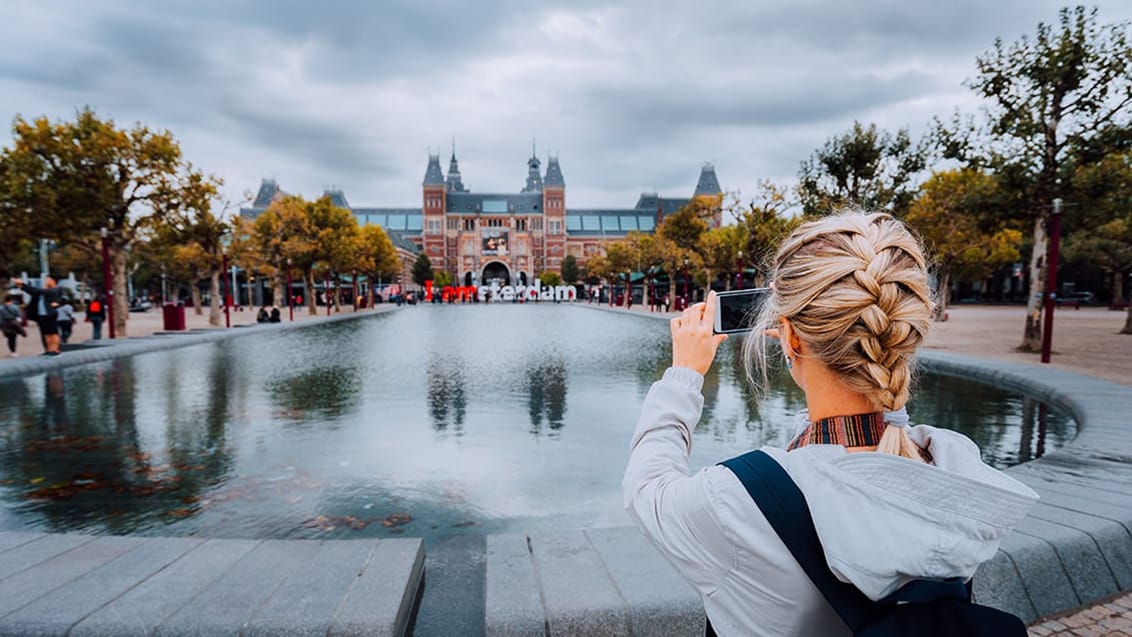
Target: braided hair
(854, 287)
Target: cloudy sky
(632, 95)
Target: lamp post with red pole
(686, 297)
(107, 284)
(290, 293)
(224, 290)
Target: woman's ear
(789, 337)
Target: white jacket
(883, 520)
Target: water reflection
(420, 426)
(447, 393)
(546, 384)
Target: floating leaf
(396, 519)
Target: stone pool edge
(106, 349)
(1075, 546)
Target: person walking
(10, 319)
(65, 317)
(45, 302)
(890, 503)
(95, 315)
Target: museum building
(507, 238)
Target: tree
(1046, 97)
(621, 258)
(719, 249)
(865, 167)
(1109, 247)
(570, 269)
(685, 226)
(284, 237)
(954, 216)
(72, 179)
(597, 268)
(379, 257)
(422, 269)
(550, 279)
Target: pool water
(423, 422)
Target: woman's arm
(671, 507)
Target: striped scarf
(860, 430)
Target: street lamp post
(290, 294)
(224, 291)
(326, 290)
(106, 282)
(739, 276)
(686, 297)
(1051, 278)
(163, 301)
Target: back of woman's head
(854, 288)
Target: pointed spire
(708, 183)
(434, 176)
(455, 183)
(534, 179)
(553, 172)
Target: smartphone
(735, 310)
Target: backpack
(921, 607)
(95, 307)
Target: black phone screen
(736, 309)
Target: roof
(268, 190)
(337, 197)
(497, 203)
(391, 219)
(668, 205)
(433, 175)
(608, 222)
(401, 241)
(553, 173)
(708, 183)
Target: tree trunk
(312, 302)
(1128, 321)
(121, 293)
(214, 298)
(671, 291)
(1117, 287)
(1032, 335)
(943, 295)
(195, 291)
(278, 297)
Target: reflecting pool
(427, 421)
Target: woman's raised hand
(693, 339)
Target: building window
(521, 225)
(434, 226)
(536, 223)
(554, 226)
(453, 224)
(469, 224)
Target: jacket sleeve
(673, 508)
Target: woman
(45, 302)
(96, 314)
(891, 503)
(10, 319)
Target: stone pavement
(1112, 618)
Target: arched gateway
(495, 272)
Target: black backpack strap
(784, 506)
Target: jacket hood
(886, 520)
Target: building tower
(708, 186)
(554, 212)
(435, 201)
(455, 184)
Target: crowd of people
(53, 313)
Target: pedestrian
(275, 317)
(65, 317)
(891, 504)
(95, 315)
(44, 304)
(262, 316)
(10, 319)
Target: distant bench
(82, 585)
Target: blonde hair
(854, 288)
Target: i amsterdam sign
(524, 293)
